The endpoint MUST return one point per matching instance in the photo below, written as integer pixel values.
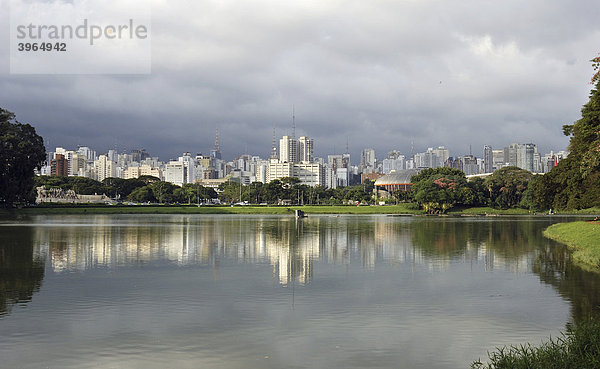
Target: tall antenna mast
(274, 147)
(347, 151)
(412, 147)
(293, 122)
(217, 147)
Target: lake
(199, 291)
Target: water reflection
(21, 270)
(292, 248)
(290, 245)
(580, 287)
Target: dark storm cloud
(376, 74)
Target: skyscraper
(216, 151)
(488, 159)
(443, 154)
(305, 149)
(59, 166)
(367, 160)
(288, 150)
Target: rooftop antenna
(412, 147)
(347, 151)
(293, 122)
(217, 146)
(470, 151)
(274, 147)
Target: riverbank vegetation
(21, 151)
(575, 182)
(579, 347)
(440, 189)
(581, 237)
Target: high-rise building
(339, 170)
(368, 160)
(498, 159)
(468, 164)
(394, 161)
(59, 166)
(89, 154)
(288, 150)
(181, 171)
(78, 165)
(104, 168)
(305, 150)
(510, 154)
(488, 159)
(139, 155)
(524, 156)
(443, 154)
(427, 159)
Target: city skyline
(291, 158)
(379, 156)
(378, 75)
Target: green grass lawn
(403, 208)
(162, 209)
(488, 210)
(583, 238)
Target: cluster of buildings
(525, 156)
(293, 158)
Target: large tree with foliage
(21, 152)
(507, 186)
(437, 190)
(81, 185)
(575, 182)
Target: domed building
(396, 180)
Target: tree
(230, 191)
(21, 152)
(194, 192)
(507, 186)
(573, 183)
(437, 190)
(142, 194)
(122, 187)
(81, 185)
(431, 172)
(163, 191)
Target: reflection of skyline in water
(289, 245)
(296, 250)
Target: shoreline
(397, 210)
(582, 238)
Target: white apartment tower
(305, 150)
(288, 150)
(104, 168)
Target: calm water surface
(195, 291)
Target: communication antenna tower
(293, 122)
(217, 146)
(274, 147)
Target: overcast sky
(373, 73)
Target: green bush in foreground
(578, 348)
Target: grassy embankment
(276, 210)
(579, 347)
(581, 237)
(405, 208)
